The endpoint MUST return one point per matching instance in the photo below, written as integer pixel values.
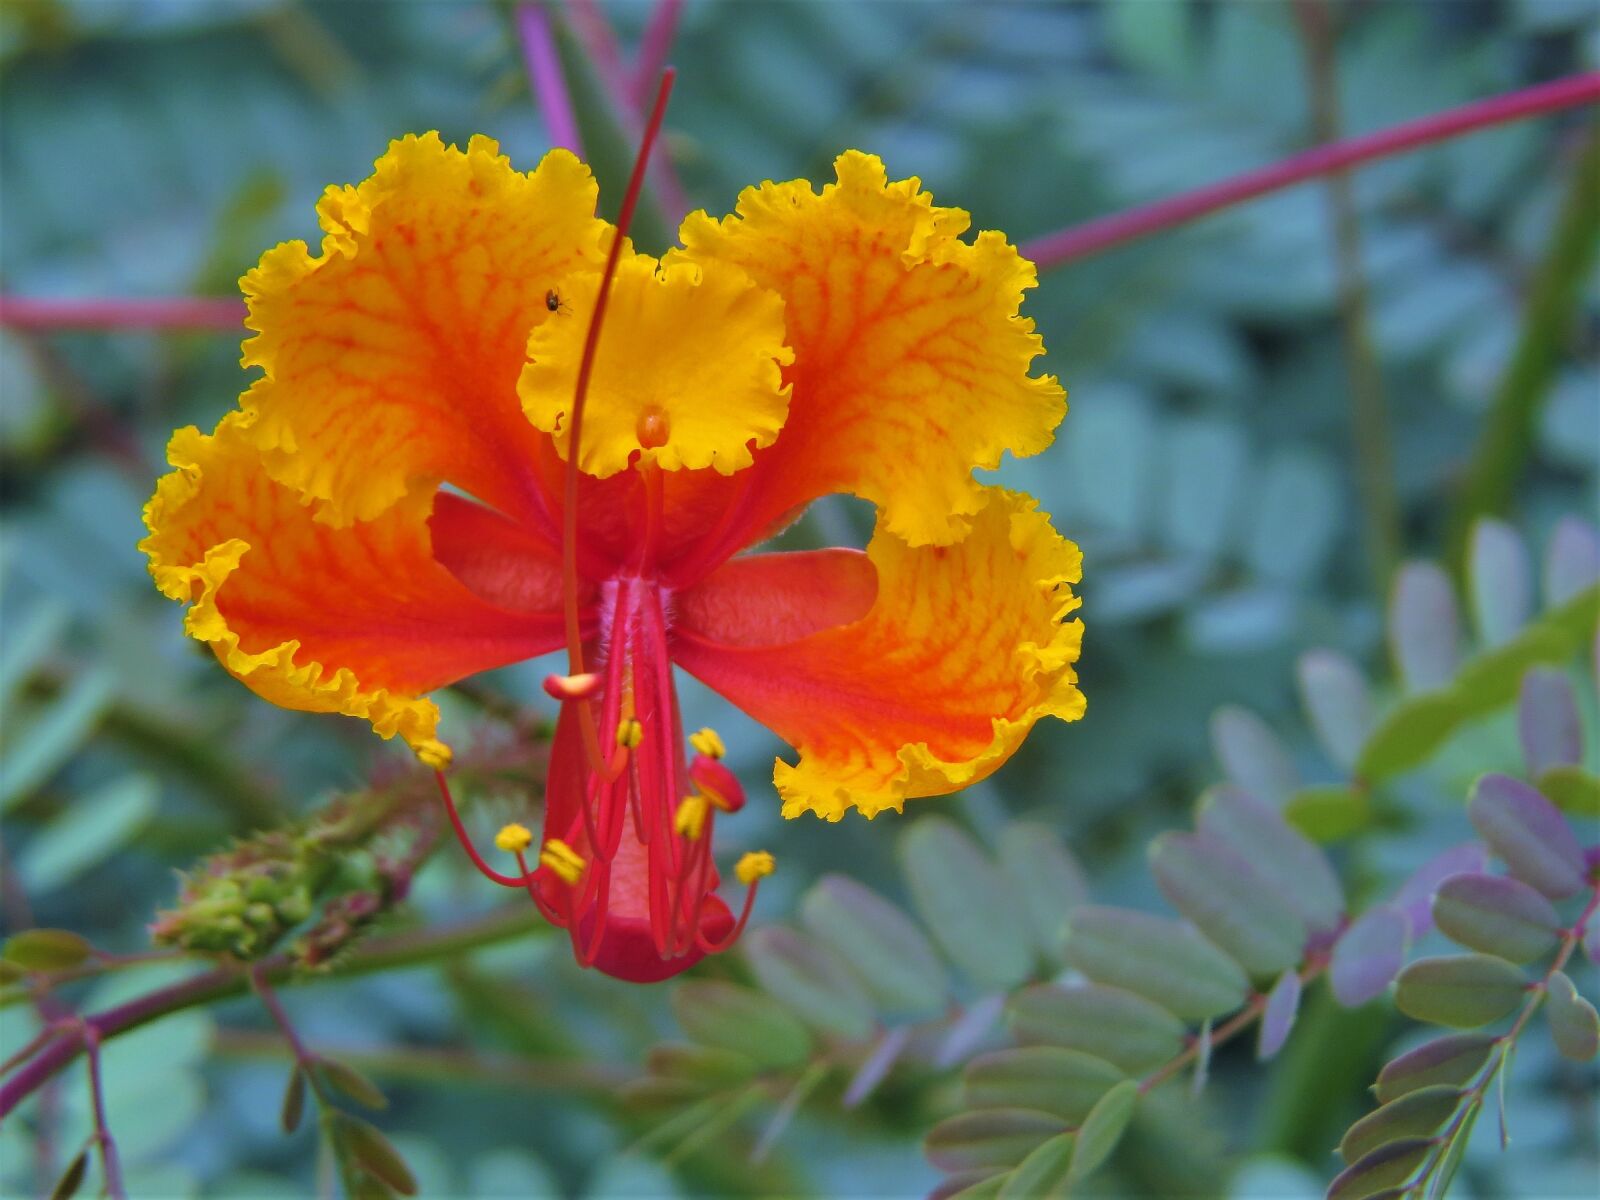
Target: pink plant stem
(188, 312)
(545, 75)
(1092, 237)
(654, 46)
(594, 30)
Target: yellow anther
(513, 838)
(691, 818)
(708, 743)
(757, 864)
(562, 859)
(630, 733)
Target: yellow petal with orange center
(359, 620)
(687, 373)
(965, 648)
(911, 361)
(391, 358)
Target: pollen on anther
(653, 427)
(690, 821)
(513, 838)
(707, 742)
(757, 864)
(630, 733)
(562, 859)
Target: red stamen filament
(718, 947)
(607, 767)
(488, 872)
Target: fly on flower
(390, 508)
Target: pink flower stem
(1080, 241)
(545, 76)
(654, 46)
(189, 312)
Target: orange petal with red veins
(391, 358)
(965, 648)
(911, 361)
(358, 620)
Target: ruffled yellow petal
(391, 358)
(359, 620)
(911, 363)
(964, 649)
(687, 375)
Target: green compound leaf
(1044, 1173)
(1126, 1030)
(811, 981)
(1452, 1060)
(1230, 902)
(1574, 1025)
(1158, 959)
(1464, 990)
(743, 1020)
(1529, 834)
(879, 943)
(1103, 1128)
(1047, 877)
(966, 903)
(991, 1138)
(1497, 915)
(47, 949)
(1052, 1079)
(1293, 867)
(1387, 1167)
(1415, 1114)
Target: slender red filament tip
(607, 767)
(488, 872)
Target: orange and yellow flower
(382, 516)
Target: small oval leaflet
(1126, 1030)
(1334, 693)
(879, 943)
(1228, 900)
(1252, 755)
(1386, 1167)
(1103, 1128)
(740, 1019)
(1453, 1060)
(994, 1138)
(808, 978)
(701, 1066)
(47, 949)
(1497, 915)
(1052, 1079)
(374, 1153)
(1368, 955)
(1464, 990)
(1277, 1018)
(966, 903)
(1424, 626)
(1295, 868)
(1047, 877)
(1548, 723)
(1529, 834)
(1158, 959)
(1574, 1025)
(1044, 1173)
(1415, 1114)
(1502, 580)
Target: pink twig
(654, 46)
(22, 312)
(600, 40)
(545, 75)
(1091, 237)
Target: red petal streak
(501, 560)
(769, 599)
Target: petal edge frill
(911, 361)
(964, 650)
(359, 620)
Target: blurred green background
(1208, 467)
